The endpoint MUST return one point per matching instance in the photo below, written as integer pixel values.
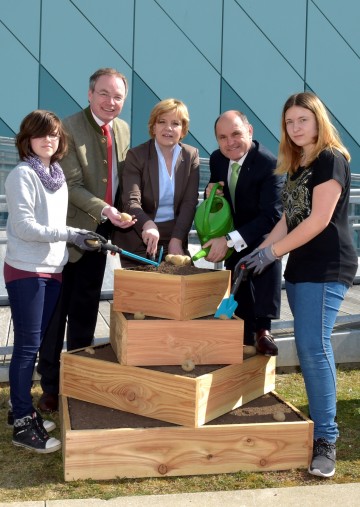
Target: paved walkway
(327, 495)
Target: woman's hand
(175, 247)
(150, 236)
(260, 259)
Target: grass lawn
(28, 476)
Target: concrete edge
(327, 494)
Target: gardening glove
(259, 259)
(85, 240)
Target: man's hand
(114, 216)
(218, 249)
(259, 259)
(219, 191)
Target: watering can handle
(208, 203)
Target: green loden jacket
(85, 169)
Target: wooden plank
(170, 296)
(162, 395)
(233, 386)
(136, 390)
(156, 342)
(102, 454)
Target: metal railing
(354, 222)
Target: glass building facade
(212, 54)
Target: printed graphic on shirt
(296, 198)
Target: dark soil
(171, 269)
(85, 415)
(130, 316)
(106, 353)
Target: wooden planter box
(169, 296)
(156, 342)
(164, 393)
(147, 450)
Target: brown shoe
(265, 344)
(48, 402)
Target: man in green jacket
(92, 168)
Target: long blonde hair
(328, 137)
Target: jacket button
(103, 140)
(105, 180)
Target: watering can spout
(202, 253)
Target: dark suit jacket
(140, 195)
(257, 193)
(258, 209)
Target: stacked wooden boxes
(141, 372)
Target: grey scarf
(52, 180)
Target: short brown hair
(166, 106)
(107, 71)
(40, 123)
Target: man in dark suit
(253, 192)
(92, 169)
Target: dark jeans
(32, 302)
(78, 305)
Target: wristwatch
(229, 241)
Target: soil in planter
(171, 269)
(85, 415)
(130, 316)
(106, 353)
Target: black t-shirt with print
(331, 255)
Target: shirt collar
(100, 122)
(241, 161)
(176, 150)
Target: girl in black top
(322, 260)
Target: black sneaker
(323, 460)
(28, 434)
(48, 425)
(43, 425)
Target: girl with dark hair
(37, 198)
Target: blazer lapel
(223, 176)
(245, 173)
(153, 168)
(179, 177)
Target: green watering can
(212, 219)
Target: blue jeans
(315, 307)
(32, 302)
